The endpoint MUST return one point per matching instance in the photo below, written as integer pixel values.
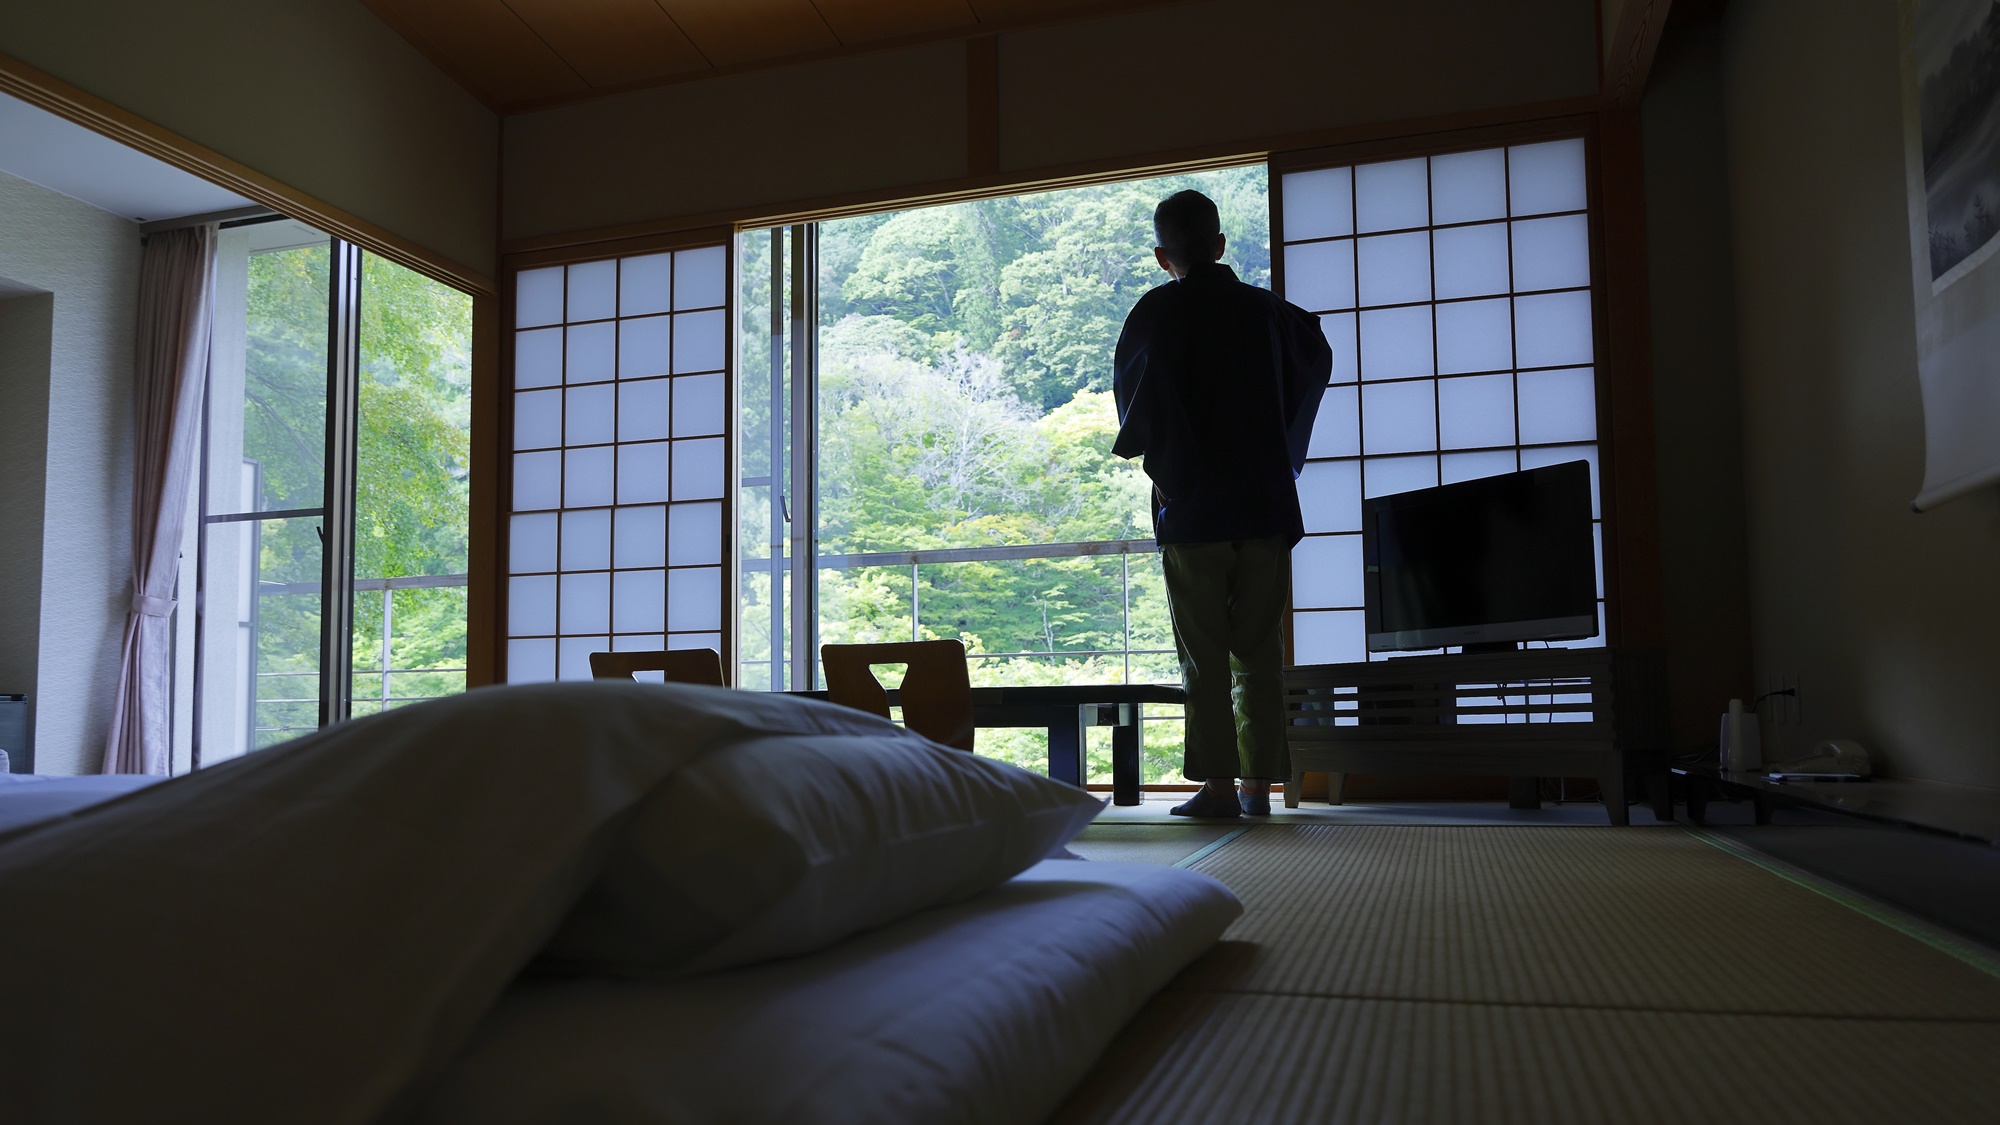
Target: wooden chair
(680, 666)
(936, 695)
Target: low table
(1960, 810)
(1066, 711)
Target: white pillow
(782, 845)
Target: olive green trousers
(1228, 604)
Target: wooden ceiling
(517, 55)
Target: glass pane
(1468, 186)
(643, 346)
(587, 477)
(698, 277)
(1559, 405)
(645, 284)
(586, 602)
(1552, 330)
(1337, 426)
(537, 481)
(268, 370)
(643, 410)
(1552, 253)
(260, 635)
(1477, 410)
(1329, 637)
(1534, 457)
(1330, 495)
(694, 599)
(1319, 204)
(586, 539)
(1475, 336)
(531, 605)
(1471, 261)
(1396, 343)
(1326, 572)
(538, 297)
(698, 341)
(1320, 275)
(1398, 418)
(412, 501)
(643, 473)
(531, 661)
(538, 358)
(531, 543)
(538, 419)
(698, 469)
(641, 600)
(694, 536)
(1392, 196)
(1386, 476)
(1338, 328)
(1472, 466)
(697, 405)
(590, 415)
(573, 655)
(593, 291)
(1395, 268)
(590, 352)
(641, 537)
(1546, 177)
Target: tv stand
(1522, 714)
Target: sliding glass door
(332, 495)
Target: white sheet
(304, 934)
(986, 1011)
(30, 798)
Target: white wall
(1890, 620)
(88, 261)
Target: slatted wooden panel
(1538, 696)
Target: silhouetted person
(1217, 384)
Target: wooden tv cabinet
(1523, 715)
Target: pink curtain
(176, 286)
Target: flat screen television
(1482, 562)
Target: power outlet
(1792, 698)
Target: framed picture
(1951, 66)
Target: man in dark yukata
(1217, 383)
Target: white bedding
(985, 1011)
(30, 798)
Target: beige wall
(1704, 570)
(88, 261)
(1085, 91)
(317, 94)
(1890, 620)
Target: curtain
(176, 287)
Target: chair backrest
(936, 695)
(680, 666)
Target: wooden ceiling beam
(1633, 45)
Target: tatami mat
(1164, 844)
(1629, 918)
(1211, 1058)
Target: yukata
(1217, 383)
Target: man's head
(1188, 232)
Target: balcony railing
(384, 674)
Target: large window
(1456, 292)
(620, 437)
(927, 423)
(329, 546)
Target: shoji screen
(1455, 291)
(620, 453)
